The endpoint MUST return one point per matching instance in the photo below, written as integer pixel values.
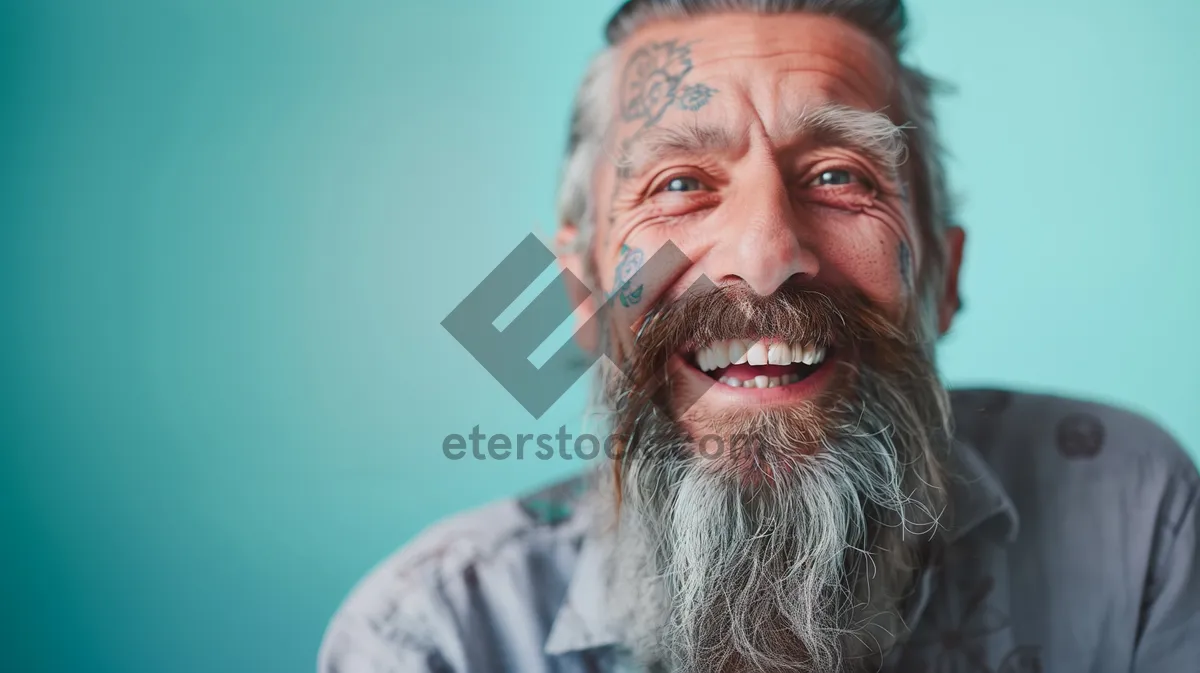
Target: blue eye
(835, 177)
(683, 185)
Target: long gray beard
(806, 573)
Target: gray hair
(885, 20)
(791, 547)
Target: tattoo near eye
(683, 185)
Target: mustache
(841, 318)
(844, 320)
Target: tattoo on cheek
(905, 264)
(631, 260)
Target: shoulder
(1004, 422)
(430, 599)
(1061, 454)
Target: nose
(760, 243)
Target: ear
(949, 303)
(569, 259)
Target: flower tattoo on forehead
(653, 81)
(631, 260)
(695, 96)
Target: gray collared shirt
(1073, 548)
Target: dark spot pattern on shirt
(1080, 435)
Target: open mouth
(762, 363)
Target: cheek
(869, 256)
(642, 242)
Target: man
(793, 490)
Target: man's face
(754, 145)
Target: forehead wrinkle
(859, 78)
(859, 86)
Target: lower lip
(803, 389)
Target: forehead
(768, 66)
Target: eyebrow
(870, 133)
(655, 144)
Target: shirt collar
(582, 620)
(976, 496)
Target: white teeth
(721, 353)
(713, 356)
(757, 355)
(760, 381)
(809, 355)
(779, 354)
(737, 352)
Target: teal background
(231, 229)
